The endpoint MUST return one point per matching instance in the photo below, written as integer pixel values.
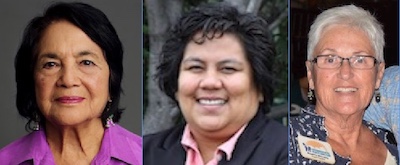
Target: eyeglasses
(335, 61)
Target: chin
(209, 125)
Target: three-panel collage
(199, 82)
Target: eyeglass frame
(342, 59)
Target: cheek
(241, 86)
(322, 79)
(187, 85)
(43, 85)
(97, 84)
(369, 80)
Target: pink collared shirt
(193, 156)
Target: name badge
(316, 150)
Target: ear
(260, 97)
(309, 67)
(379, 76)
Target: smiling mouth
(345, 89)
(211, 101)
(70, 99)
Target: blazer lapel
(247, 142)
(172, 152)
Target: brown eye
(228, 70)
(195, 68)
(49, 65)
(87, 62)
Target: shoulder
(307, 122)
(265, 128)
(164, 147)
(274, 138)
(275, 128)
(165, 137)
(263, 135)
(19, 150)
(124, 133)
(124, 145)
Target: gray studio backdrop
(125, 15)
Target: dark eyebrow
(85, 52)
(88, 53)
(48, 55)
(192, 59)
(227, 61)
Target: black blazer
(264, 141)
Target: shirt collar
(39, 153)
(116, 145)
(226, 147)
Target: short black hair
(91, 21)
(213, 20)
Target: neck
(73, 143)
(344, 131)
(339, 122)
(208, 142)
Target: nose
(210, 81)
(345, 70)
(69, 77)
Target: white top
(390, 159)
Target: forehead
(344, 38)
(214, 44)
(64, 36)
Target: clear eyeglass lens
(333, 61)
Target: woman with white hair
(344, 69)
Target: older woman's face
(215, 86)
(71, 76)
(344, 90)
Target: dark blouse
(310, 124)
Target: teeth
(211, 102)
(346, 89)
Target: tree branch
(278, 20)
(254, 6)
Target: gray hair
(352, 16)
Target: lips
(212, 101)
(345, 89)
(70, 99)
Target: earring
(377, 96)
(109, 121)
(36, 121)
(310, 96)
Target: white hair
(352, 16)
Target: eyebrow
(192, 59)
(354, 53)
(328, 49)
(226, 61)
(81, 53)
(48, 55)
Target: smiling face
(71, 76)
(344, 90)
(216, 91)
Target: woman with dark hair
(68, 73)
(217, 67)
